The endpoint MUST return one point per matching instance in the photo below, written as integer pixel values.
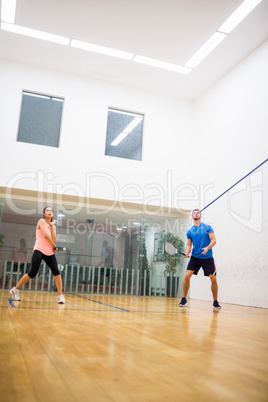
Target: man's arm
(211, 244)
(188, 248)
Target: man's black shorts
(207, 264)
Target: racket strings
(170, 248)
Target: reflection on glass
(40, 119)
(124, 135)
(101, 247)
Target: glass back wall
(90, 238)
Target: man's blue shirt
(200, 239)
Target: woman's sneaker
(216, 304)
(15, 294)
(61, 299)
(183, 302)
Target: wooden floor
(120, 348)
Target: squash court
(127, 348)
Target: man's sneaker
(216, 304)
(15, 294)
(61, 299)
(183, 302)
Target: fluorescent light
(8, 11)
(118, 139)
(101, 49)
(132, 125)
(213, 41)
(35, 34)
(238, 15)
(162, 64)
(126, 131)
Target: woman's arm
(43, 226)
(53, 232)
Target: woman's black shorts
(37, 258)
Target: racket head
(170, 248)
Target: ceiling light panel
(8, 11)
(238, 15)
(101, 49)
(214, 40)
(161, 64)
(35, 34)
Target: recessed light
(162, 64)
(213, 41)
(8, 11)
(238, 15)
(101, 49)
(35, 34)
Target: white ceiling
(170, 31)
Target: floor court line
(179, 311)
(11, 303)
(186, 311)
(104, 304)
(176, 310)
(95, 301)
(98, 311)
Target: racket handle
(60, 248)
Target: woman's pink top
(42, 244)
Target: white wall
(231, 140)
(82, 143)
(213, 144)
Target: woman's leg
(35, 264)
(53, 265)
(22, 281)
(58, 283)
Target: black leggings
(37, 258)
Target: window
(40, 119)
(124, 134)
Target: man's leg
(214, 286)
(185, 287)
(186, 283)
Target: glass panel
(124, 134)
(104, 251)
(40, 119)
